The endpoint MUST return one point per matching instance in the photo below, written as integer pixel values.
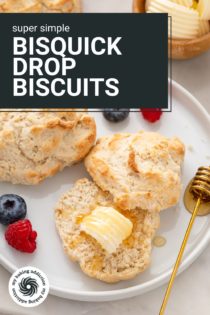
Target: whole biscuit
(36, 145)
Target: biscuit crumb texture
(131, 257)
(36, 145)
(140, 170)
(40, 6)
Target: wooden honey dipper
(199, 189)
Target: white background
(190, 295)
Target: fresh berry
(12, 208)
(21, 236)
(151, 114)
(116, 114)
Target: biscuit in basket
(131, 257)
(40, 6)
(140, 170)
(36, 145)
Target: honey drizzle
(159, 241)
(129, 242)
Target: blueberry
(12, 208)
(116, 114)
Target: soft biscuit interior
(131, 257)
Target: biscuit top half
(140, 170)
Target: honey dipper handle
(179, 258)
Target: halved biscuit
(140, 170)
(133, 254)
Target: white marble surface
(191, 292)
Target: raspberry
(151, 114)
(21, 236)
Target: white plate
(188, 121)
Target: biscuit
(140, 170)
(40, 6)
(131, 257)
(36, 145)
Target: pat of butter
(185, 21)
(204, 27)
(185, 3)
(204, 9)
(108, 226)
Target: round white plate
(188, 121)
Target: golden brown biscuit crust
(36, 145)
(139, 170)
(40, 6)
